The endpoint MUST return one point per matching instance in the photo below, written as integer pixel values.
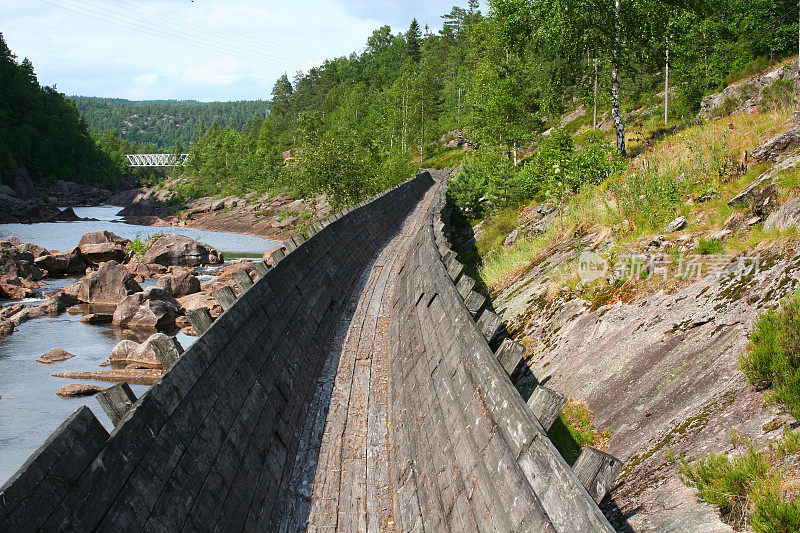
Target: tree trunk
(422, 137)
(594, 120)
(618, 125)
(666, 85)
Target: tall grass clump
(752, 491)
(773, 355)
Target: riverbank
(274, 217)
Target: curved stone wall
(467, 454)
(210, 446)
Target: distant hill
(163, 122)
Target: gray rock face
(18, 263)
(152, 308)
(61, 264)
(778, 146)
(179, 250)
(676, 225)
(101, 246)
(180, 284)
(660, 369)
(108, 285)
(787, 216)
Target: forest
(163, 123)
(41, 131)
(359, 123)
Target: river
(29, 407)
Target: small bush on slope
(773, 356)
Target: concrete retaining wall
(210, 445)
(467, 454)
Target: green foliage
(773, 355)
(41, 131)
(573, 430)
(139, 247)
(748, 489)
(710, 246)
(162, 123)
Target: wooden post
(116, 401)
(260, 268)
(594, 122)
(546, 404)
(225, 297)
(510, 354)
(666, 85)
(200, 319)
(596, 470)
(167, 349)
(243, 281)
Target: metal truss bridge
(157, 160)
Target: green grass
(710, 246)
(447, 158)
(752, 490)
(573, 429)
(773, 355)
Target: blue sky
(202, 49)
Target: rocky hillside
(638, 303)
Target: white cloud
(146, 80)
(223, 71)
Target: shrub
(710, 246)
(779, 95)
(773, 355)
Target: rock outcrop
(180, 284)
(179, 250)
(102, 246)
(778, 146)
(76, 390)
(108, 285)
(55, 355)
(151, 308)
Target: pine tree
(413, 38)
(281, 95)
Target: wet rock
(75, 390)
(180, 284)
(67, 215)
(152, 308)
(146, 376)
(29, 313)
(179, 250)
(15, 289)
(6, 328)
(97, 319)
(102, 237)
(16, 263)
(58, 303)
(53, 264)
(151, 270)
(676, 225)
(109, 285)
(55, 355)
(11, 310)
(122, 351)
(102, 252)
(199, 300)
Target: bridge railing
(157, 160)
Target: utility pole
(594, 122)
(666, 85)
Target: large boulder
(180, 284)
(179, 250)
(143, 355)
(108, 285)
(101, 237)
(15, 288)
(152, 308)
(18, 263)
(62, 264)
(102, 246)
(58, 303)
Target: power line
(171, 34)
